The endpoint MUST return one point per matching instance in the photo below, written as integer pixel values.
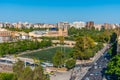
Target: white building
(49, 25)
(27, 25)
(21, 35)
(98, 26)
(1, 24)
(113, 26)
(41, 25)
(63, 25)
(38, 25)
(78, 24)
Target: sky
(53, 11)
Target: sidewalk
(61, 76)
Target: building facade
(63, 25)
(5, 36)
(78, 25)
(51, 33)
(89, 24)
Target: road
(96, 72)
(85, 67)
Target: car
(99, 66)
(108, 77)
(52, 73)
(91, 74)
(95, 63)
(96, 73)
(105, 58)
(89, 69)
(95, 67)
(87, 78)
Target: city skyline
(35, 11)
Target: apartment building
(89, 24)
(78, 25)
(5, 36)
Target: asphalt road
(96, 72)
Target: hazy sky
(53, 11)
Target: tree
(61, 38)
(58, 59)
(72, 31)
(113, 67)
(70, 63)
(77, 54)
(113, 37)
(20, 46)
(83, 43)
(114, 49)
(18, 69)
(6, 76)
(113, 42)
(83, 48)
(39, 74)
(27, 74)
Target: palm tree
(61, 38)
(15, 56)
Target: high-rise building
(89, 24)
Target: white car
(95, 63)
(87, 78)
(91, 74)
(95, 67)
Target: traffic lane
(90, 64)
(96, 73)
(101, 61)
(100, 67)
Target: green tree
(113, 37)
(113, 67)
(70, 63)
(39, 74)
(83, 48)
(61, 38)
(18, 69)
(83, 43)
(58, 59)
(77, 54)
(6, 76)
(114, 49)
(27, 74)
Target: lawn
(46, 55)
